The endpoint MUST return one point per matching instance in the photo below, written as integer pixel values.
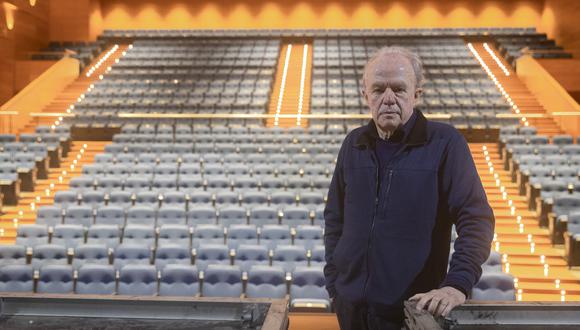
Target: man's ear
(363, 93)
(418, 93)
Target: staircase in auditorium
(291, 91)
(541, 272)
(73, 92)
(522, 99)
(81, 153)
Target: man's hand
(439, 301)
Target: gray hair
(413, 58)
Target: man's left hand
(439, 301)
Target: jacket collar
(416, 136)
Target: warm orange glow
(32, 2)
(9, 10)
(313, 14)
(428, 16)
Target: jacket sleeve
(472, 214)
(333, 219)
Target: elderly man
(399, 184)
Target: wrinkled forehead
(393, 67)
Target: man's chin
(389, 125)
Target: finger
(424, 300)
(434, 304)
(447, 309)
(417, 296)
(442, 306)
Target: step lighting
(283, 84)
(302, 81)
(520, 294)
(496, 59)
(557, 283)
(496, 81)
(563, 295)
(102, 60)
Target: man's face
(390, 91)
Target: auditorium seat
(249, 255)
(50, 215)
(274, 235)
(494, 286)
(131, 254)
(32, 235)
(289, 257)
(174, 234)
(12, 255)
(68, 236)
(172, 254)
(241, 234)
(16, 278)
(48, 254)
(55, 279)
(210, 254)
(137, 280)
(266, 282)
(308, 289)
(222, 281)
(179, 280)
(96, 279)
(108, 235)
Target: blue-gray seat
(263, 215)
(207, 254)
(177, 199)
(198, 215)
(55, 279)
(174, 234)
(289, 257)
(274, 235)
(50, 215)
(172, 254)
(16, 278)
(308, 289)
(295, 216)
(171, 215)
(126, 254)
(65, 198)
(282, 198)
(222, 281)
(119, 198)
(139, 234)
(241, 234)
(230, 215)
(108, 235)
(68, 236)
(179, 280)
(141, 215)
(494, 286)
(90, 254)
(266, 282)
(317, 256)
(493, 263)
(110, 215)
(96, 279)
(138, 280)
(12, 255)
(31, 235)
(79, 215)
(308, 236)
(48, 254)
(208, 234)
(247, 255)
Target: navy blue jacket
(386, 241)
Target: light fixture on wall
(32, 2)
(9, 10)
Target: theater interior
(166, 162)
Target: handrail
(51, 115)
(291, 116)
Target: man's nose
(389, 97)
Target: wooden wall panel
(560, 21)
(30, 33)
(179, 14)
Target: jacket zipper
(370, 242)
